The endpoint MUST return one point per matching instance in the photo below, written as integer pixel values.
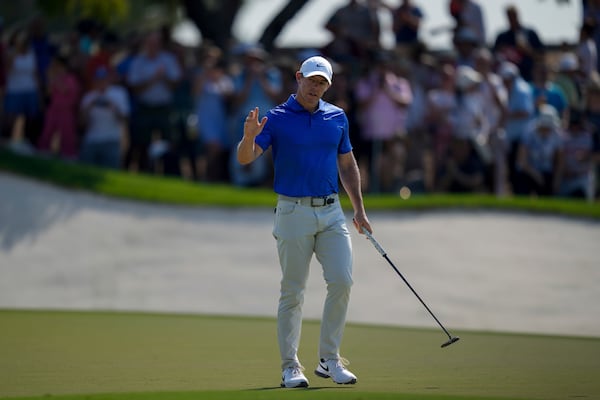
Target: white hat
(467, 77)
(508, 70)
(568, 62)
(547, 117)
(317, 65)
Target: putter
(451, 339)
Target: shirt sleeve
(345, 145)
(265, 138)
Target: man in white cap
(520, 109)
(311, 149)
(540, 154)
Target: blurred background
(443, 96)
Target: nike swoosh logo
(325, 367)
(320, 65)
(331, 116)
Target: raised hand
(252, 127)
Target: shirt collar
(296, 106)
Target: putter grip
(373, 241)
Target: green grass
(177, 191)
(137, 356)
(133, 356)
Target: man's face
(311, 89)
(153, 43)
(513, 19)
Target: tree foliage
(213, 18)
(107, 12)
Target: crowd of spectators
(504, 115)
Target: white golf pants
(300, 231)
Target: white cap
(317, 65)
(508, 70)
(547, 117)
(568, 62)
(467, 77)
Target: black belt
(318, 201)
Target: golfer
(311, 147)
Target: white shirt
(22, 73)
(104, 124)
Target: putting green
(140, 356)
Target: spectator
(440, 103)
(383, 97)
(494, 99)
(340, 94)
(355, 29)
(519, 111)
(22, 98)
(592, 116)
(88, 31)
(43, 48)
(256, 85)
(462, 171)
(547, 92)
(519, 44)
(77, 59)
(129, 51)
(102, 57)
(153, 75)
(419, 173)
(104, 112)
(407, 19)
(466, 44)
(591, 15)
(213, 89)
(60, 122)
(539, 155)
(182, 159)
(575, 173)
(587, 53)
(468, 14)
(468, 118)
(567, 81)
(423, 75)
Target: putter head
(450, 341)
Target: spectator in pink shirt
(383, 97)
(60, 123)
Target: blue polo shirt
(305, 147)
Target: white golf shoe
(293, 377)
(336, 370)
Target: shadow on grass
(310, 388)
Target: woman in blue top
(311, 148)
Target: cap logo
(317, 66)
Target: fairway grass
(140, 356)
